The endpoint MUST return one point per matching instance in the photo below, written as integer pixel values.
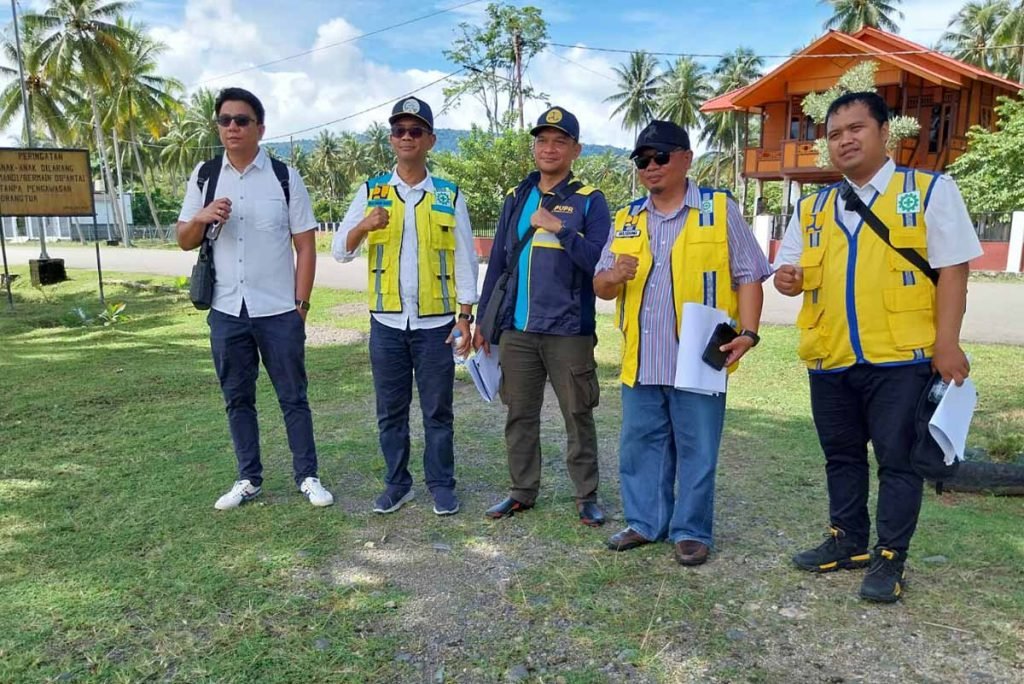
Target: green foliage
(991, 173)
(851, 16)
(112, 314)
(610, 173)
(167, 204)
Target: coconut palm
(638, 92)
(850, 16)
(682, 89)
(737, 69)
(48, 96)
(193, 136)
(82, 36)
(1011, 32)
(378, 148)
(972, 31)
(355, 159)
(326, 163)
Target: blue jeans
(395, 357)
(667, 459)
(238, 344)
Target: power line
(833, 55)
(340, 42)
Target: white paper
(952, 419)
(486, 373)
(696, 328)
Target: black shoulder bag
(490, 320)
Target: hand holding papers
(952, 420)
(486, 373)
(696, 328)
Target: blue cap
(414, 107)
(559, 119)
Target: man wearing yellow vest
(872, 328)
(422, 271)
(683, 243)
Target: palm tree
(138, 95)
(1011, 32)
(326, 163)
(355, 159)
(378, 148)
(850, 16)
(48, 98)
(79, 36)
(638, 92)
(737, 69)
(683, 88)
(972, 31)
(193, 135)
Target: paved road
(995, 311)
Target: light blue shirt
(522, 311)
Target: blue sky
(209, 38)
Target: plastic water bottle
(456, 336)
(937, 391)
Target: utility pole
(517, 47)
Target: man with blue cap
(422, 284)
(549, 236)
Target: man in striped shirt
(662, 251)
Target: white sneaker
(315, 492)
(239, 493)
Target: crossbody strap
(569, 190)
(855, 203)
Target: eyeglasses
(661, 158)
(415, 132)
(241, 120)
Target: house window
(938, 132)
(986, 118)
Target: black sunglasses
(415, 132)
(241, 120)
(660, 157)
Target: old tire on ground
(979, 477)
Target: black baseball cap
(559, 119)
(415, 107)
(661, 136)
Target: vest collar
(880, 181)
(691, 200)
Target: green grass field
(115, 567)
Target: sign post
(46, 182)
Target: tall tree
(1011, 32)
(682, 89)
(495, 55)
(83, 37)
(737, 69)
(193, 135)
(851, 16)
(380, 156)
(972, 31)
(48, 96)
(637, 97)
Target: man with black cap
(549, 237)
(682, 243)
(422, 271)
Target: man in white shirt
(261, 211)
(874, 325)
(422, 270)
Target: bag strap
(567, 191)
(281, 171)
(855, 203)
(209, 172)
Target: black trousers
(874, 403)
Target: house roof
(929, 65)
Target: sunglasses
(241, 120)
(415, 132)
(660, 157)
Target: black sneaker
(884, 579)
(836, 553)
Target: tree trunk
(120, 191)
(101, 147)
(142, 176)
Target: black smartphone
(713, 356)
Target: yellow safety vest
(435, 230)
(700, 268)
(863, 302)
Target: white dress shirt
(253, 255)
(951, 236)
(466, 266)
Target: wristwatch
(466, 317)
(302, 304)
(752, 335)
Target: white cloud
(925, 21)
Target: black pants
(870, 403)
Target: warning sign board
(45, 182)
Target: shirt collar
(691, 200)
(426, 185)
(258, 162)
(880, 181)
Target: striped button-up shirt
(659, 344)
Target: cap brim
(537, 129)
(395, 117)
(657, 147)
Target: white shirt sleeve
(466, 265)
(952, 239)
(300, 208)
(792, 244)
(193, 198)
(353, 216)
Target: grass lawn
(115, 567)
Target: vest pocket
(811, 263)
(378, 237)
(914, 238)
(442, 234)
(813, 343)
(911, 316)
(379, 259)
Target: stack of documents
(952, 420)
(486, 373)
(696, 328)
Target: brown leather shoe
(590, 514)
(690, 552)
(626, 539)
(506, 508)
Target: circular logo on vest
(706, 206)
(554, 116)
(908, 202)
(411, 106)
(443, 198)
